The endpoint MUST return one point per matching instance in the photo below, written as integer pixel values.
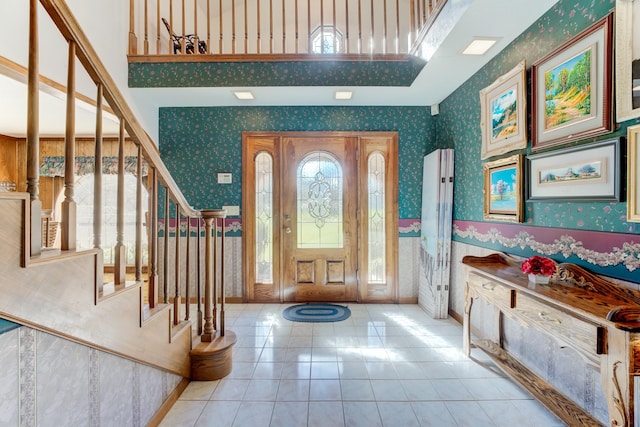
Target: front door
(319, 228)
(320, 216)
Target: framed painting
(633, 175)
(571, 88)
(503, 189)
(503, 109)
(582, 172)
(627, 59)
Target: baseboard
(456, 316)
(408, 300)
(168, 404)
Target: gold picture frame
(503, 189)
(633, 175)
(503, 110)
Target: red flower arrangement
(538, 265)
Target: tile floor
(387, 365)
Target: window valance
(84, 165)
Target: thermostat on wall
(224, 178)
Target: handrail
(71, 30)
(293, 27)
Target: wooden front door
(320, 216)
(319, 228)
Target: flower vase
(539, 279)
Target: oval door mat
(316, 313)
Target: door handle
(287, 230)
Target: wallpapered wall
(458, 124)
(593, 234)
(197, 143)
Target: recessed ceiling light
(243, 94)
(343, 94)
(479, 46)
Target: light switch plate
(225, 178)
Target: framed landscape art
(503, 189)
(503, 112)
(633, 175)
(583, 172)
(571, 88)
(627, 59)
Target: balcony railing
(279, 27)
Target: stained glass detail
(376, 215)
(319, 203)
(326, 40)
(264, 218)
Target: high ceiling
(446, 69)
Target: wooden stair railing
(292, 27)
(169, 350)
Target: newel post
(33, 132)
(211, 259)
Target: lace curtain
(84, 165)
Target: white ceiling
(445, 71)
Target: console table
(597, 318)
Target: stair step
(184, 327)
(212, 360)
(149, 314)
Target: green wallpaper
(197, 143)
(285, 73)
(458, 125)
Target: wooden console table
(598, 319)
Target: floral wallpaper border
(611, 254)
(233, 227)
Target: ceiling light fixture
(343, 94)
(479, 46)
(243, 94)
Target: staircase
(63, 290)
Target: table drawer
(491, 291)
(582, 335)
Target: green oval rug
(316, 313)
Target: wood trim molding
(17, 72)
(261, 57)
(166, 406)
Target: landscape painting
(568, 91)
(572, 88)
(503, 111)
(503, 190)
(504, 114)
(591, 171)
(578, 171)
